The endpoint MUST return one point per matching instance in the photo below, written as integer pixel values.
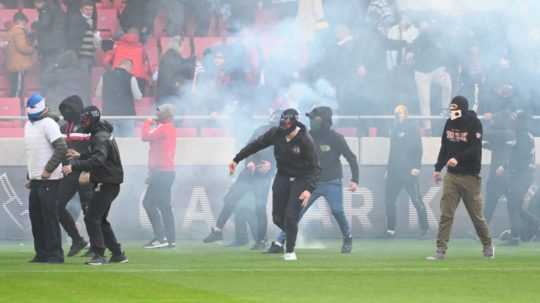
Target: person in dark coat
(297, 175)
(404, 163)
(50, 31)
(103, 163)
(255, 178)
(81, 35)
(119, 90)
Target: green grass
(377, 271)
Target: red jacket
(129, 47)
(162, 138)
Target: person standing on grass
(45, 150)
(255, 178)
(461, 153)
(330, 146)
(404, 163)
(106, 174)
(161, 134)
(297, 175)
(77, 140)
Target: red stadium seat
(348, 132)
(10, 107)
(11, 132)
(145, 107)
(215, 132)
(108, 19)
(186, 132)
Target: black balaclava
(90, 117)
(458, 107)
(320, 118)
(71, 109)
(288, 121)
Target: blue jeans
(332, 191)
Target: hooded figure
(106, 173)
(297, 172)
(78, 142)
(329, 146)
(461, 153)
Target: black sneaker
(346, 248)
(77, 247)
(121, 258)
(214, 236)
(275, 248)
(155, 243)
(96, 260)
(259, 245)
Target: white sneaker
(290, 257)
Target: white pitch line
(108, 269)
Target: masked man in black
(330, 146)
(106, 174)
(297, 172)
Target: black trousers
(157, 203)
(286, 206)
(518, 188)
(99, 229)
(496, 187)
(66, 191)
(44, 220)
(394, 185)
(242, 186)
(244, 218)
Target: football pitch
(376, 271)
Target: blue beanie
(35, 107)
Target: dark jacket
(170, 74)
(428, 52)
(139, 14)
(499, 139)
(462, 140)
(118, 98)
(330, 147)
(103, 157)
(405, 149)
(522, 160)
(296, 158)
(66, 78)
(76, 29)
(50, 27)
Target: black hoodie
(296, 158)
(103, 157)
(499, 138)
(462, 140)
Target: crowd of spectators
(362, 57)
